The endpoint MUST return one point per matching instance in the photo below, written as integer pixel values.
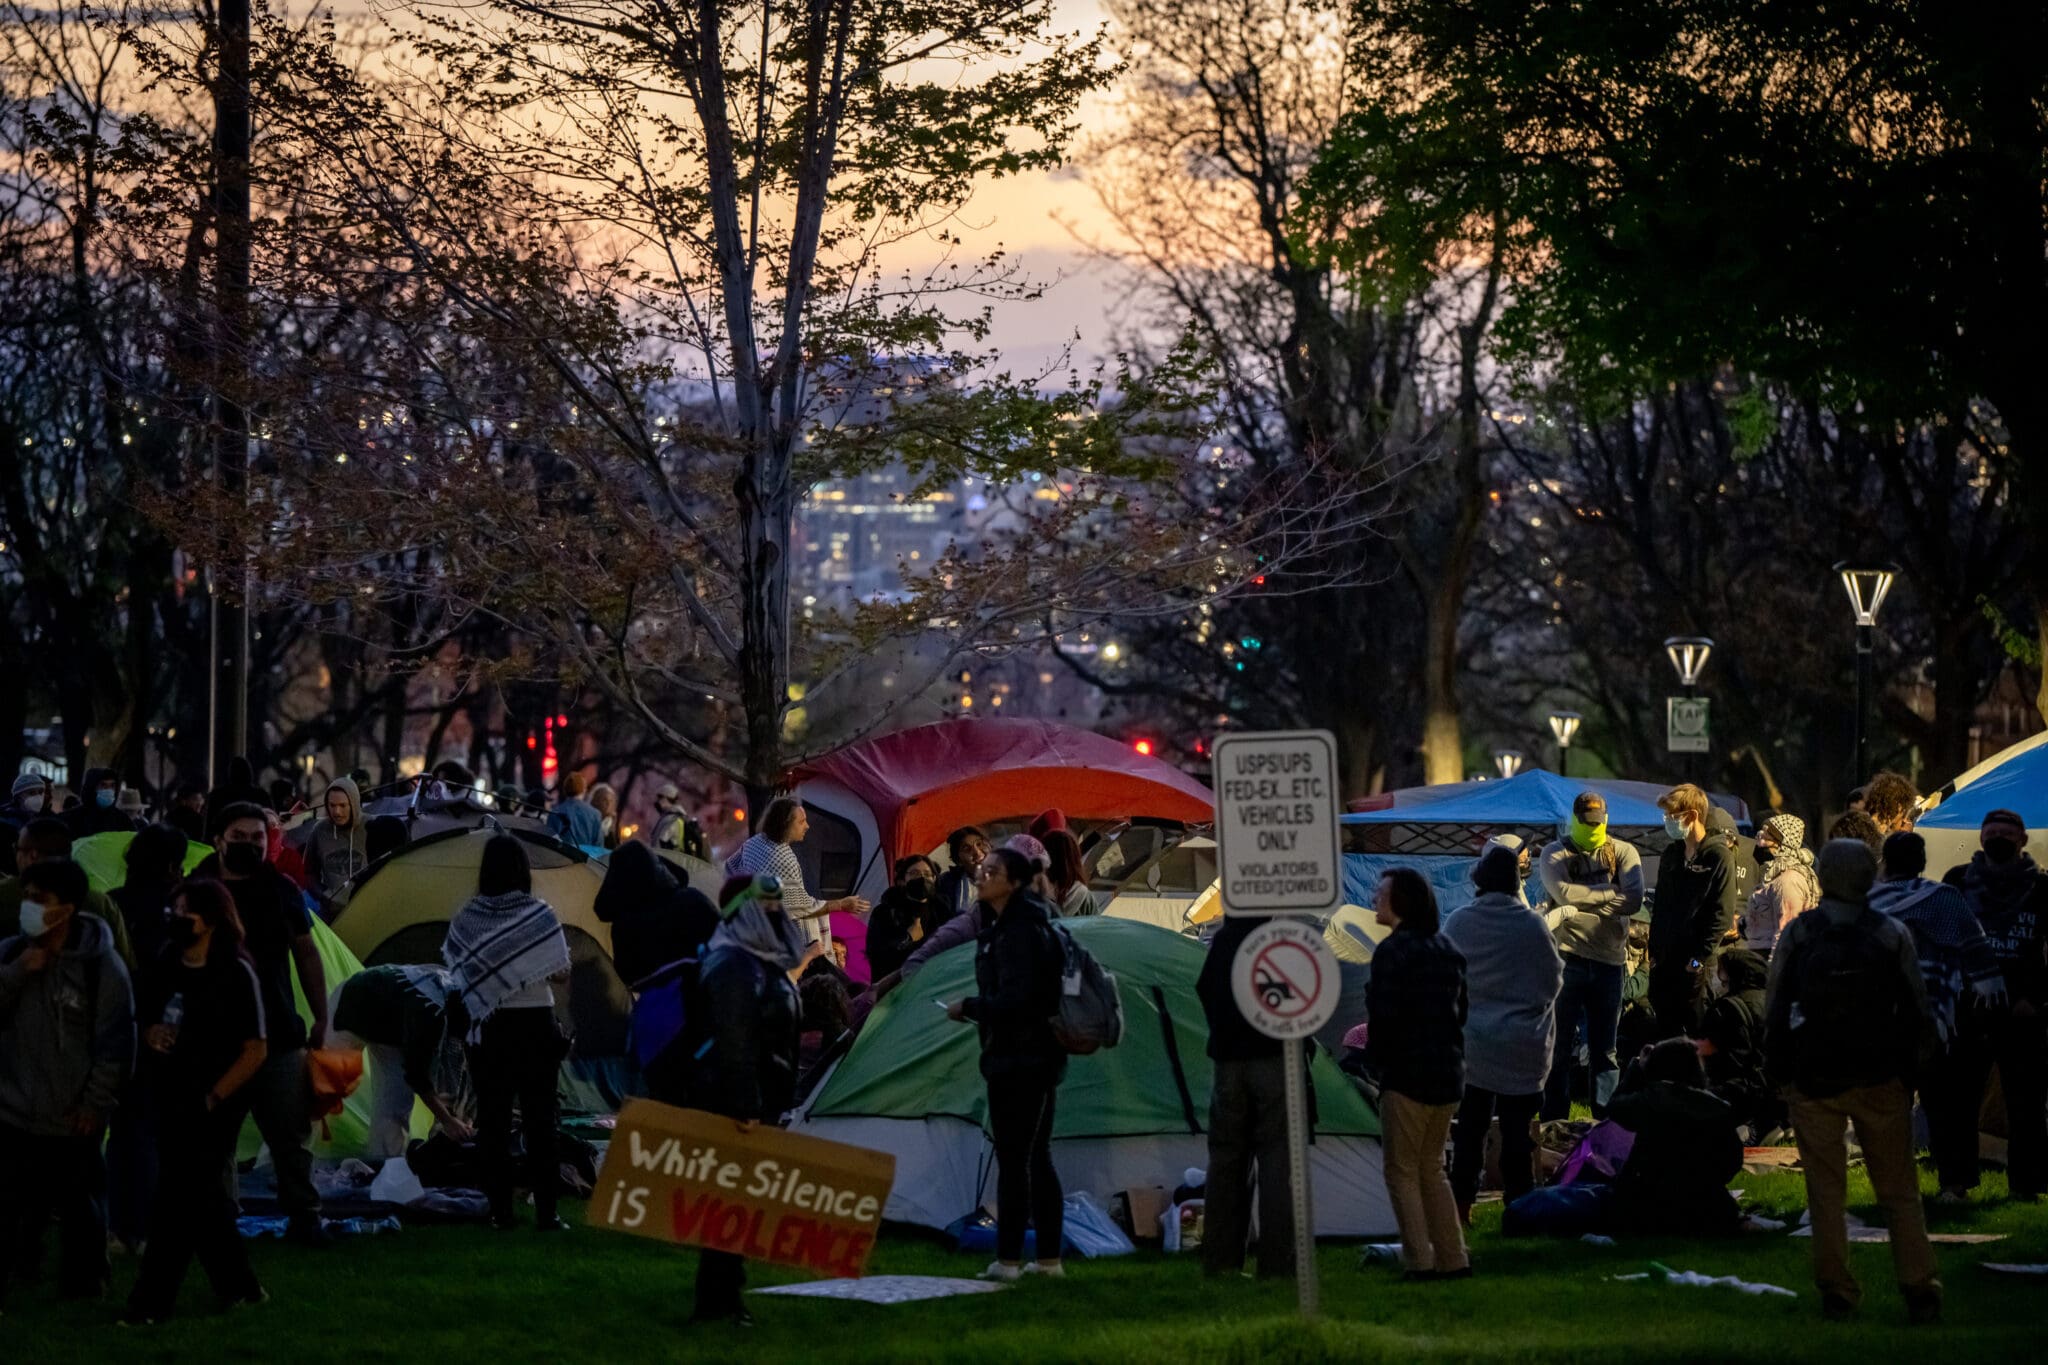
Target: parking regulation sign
(1276, 823)
(1284, 979)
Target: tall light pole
(1688, 655)
(1507, 762)
(1564, 725)
(1867, 585)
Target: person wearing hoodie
(1847, 1029)
(1247, 1121)
(1017, 966)
(656, 916)
(99, 806)
(748, 1074)
(1964, 989)
(2009, 896)
(504, 951)
(30, 800)
(1513, 973)
(1595, 886)
(1787, 887)
(337, 844)
(1675, 1181)
(1731, 1039)
(67, 1041)
(48, 839)
(903, 907)
(1694, 907)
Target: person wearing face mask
(203, 1026)
(749, 1073)
(67, 1040)
(99, 808)
(279, 937)
(29, 799)
(1694, 908)
(1787, 887)
(2009, 895)
(1595, 886)
(898, 919)
(46, 839)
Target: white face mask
(1674, 827)
(32, 803)
(35, 918)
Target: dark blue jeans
(1591, 998)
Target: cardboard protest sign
(681, 1175)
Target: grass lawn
(468, 1294)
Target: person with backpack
(1595, 886)
(1847, 1029)
(1018, 966)
(2009, 896)
(1247, 1121)
(1698, 890)
(1415, 1045)
(747, 991)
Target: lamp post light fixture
(1507, 762)
(1867, 585)
(1688, 655)
(1564, 725)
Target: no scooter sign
(1284, 979)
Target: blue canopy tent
(1456, 817)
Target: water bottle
(174, 1014)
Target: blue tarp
(1531, 798)
(2020, 785)
(1450, 876)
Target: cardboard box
(1148, 1204)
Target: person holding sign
(1017, 968)
(749, 1071)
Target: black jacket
(749, 1072)
(889, 923)
(147, 911)
(87, 818)
(1697, 896)
(1231, 1037)
(1017, 966)
(1675, 1180)
(1415, 1017)
(1734, 1024)
(2012, 905)
(955, 894)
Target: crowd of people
(1770, 989)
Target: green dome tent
(104, 857)
(1132, 1115)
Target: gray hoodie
(1512, 976)
(334, 854)
(67, 1033)
(1591, 910)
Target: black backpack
(1851, 1023)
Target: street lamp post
(1867, 585)
(1688, 655)
(1565, 726)
(1507, 762)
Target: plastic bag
(1090, 1231)
(396, 1184)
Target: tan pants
(1412, 1139)
(1883, 1115)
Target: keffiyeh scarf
(497, 945)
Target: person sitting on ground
(656, 916)
(48, 839)
(67, 1040)
(1675, 1181)
(1848, 1028)
(399, 1016)
(956, 892)
(897, 921)
(1731, 1039)
(824, 1015)
(1965, 988)
(1513, 973)
(1787, 889)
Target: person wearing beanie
(1595, 886)
(2009, 896)
(1513, 972)
(1847, 1029)
(29, 800)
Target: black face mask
(917, 889)
(241, 860)
(1764, 855)
(2001, 850)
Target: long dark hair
(780, 818)
(1413, 901)
(504, 867)
(214, 903)
(1067, 867)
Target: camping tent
(1128, 1116)
(2014, 779)
(104, 857)
(902, 793)
(1536, 801)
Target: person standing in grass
(1847, 1029)
(1415, 1044)
(1595, 885)
(1247, 1121)
(749, 1072)
(1017, 967)
(504, 948)
(203, 1042)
